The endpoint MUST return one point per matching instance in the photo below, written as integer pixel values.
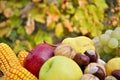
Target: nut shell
(110, 78)
(81, 59)
(65, 50)
(116, 74)
(92, 54)
(91, 65)
(89, 77)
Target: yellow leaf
(59, 30)
(40, 18)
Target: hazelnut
(116, 74)
(81, 59)
(65, 50)
(96, 69)
(92, 55)
(110, 78)
(89, 77)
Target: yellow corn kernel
(7, 57)
(19, 73)
(21, 56)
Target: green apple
(60, 68)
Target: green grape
(95, 40)
(117, 29)
(104, 38)
(107, 49)
(108, 32)
(100, 51)
(113, 43)
(115, 34)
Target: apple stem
(53, 45)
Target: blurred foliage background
(26, 23)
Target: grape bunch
(108, 44)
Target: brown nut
(89, 77)
(65, 50)
(96, 69)
(92, 55)
(81, 59)
(110, 78)
(116, 74)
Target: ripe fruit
(36, 58)
(113, 64)
(80, 44)
(60, 68)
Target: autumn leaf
(30, 26)
(2, 6)
(24, 12)
(59, 30)
(53, 14)
(4, 31)
(68, 25)
(8, 12)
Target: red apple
(37, 57)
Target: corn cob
(7, 57)
(19, 73)
(21, 56)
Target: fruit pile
(72, 59)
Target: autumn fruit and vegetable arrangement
(76, 58)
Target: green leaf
(40, 18)
(92, 12)
(13, 35)
(21, 30)
(101, 4)
(59, 30)
(42, 36)
(52, 9)
(4, 31)
(21, 45)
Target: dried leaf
(36, 0)
(82, 2)
(53, 14)
(68, 25)
(51, 18)
(24, 12)
(2, 6)
(8, 12)
(30, 26)
(4, 23)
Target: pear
(80, 43)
